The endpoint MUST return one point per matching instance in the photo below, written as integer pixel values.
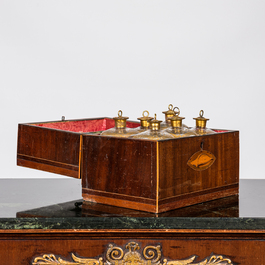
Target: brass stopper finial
(155, 124)
(201, 121)
(170, 112)
(120, 121)
(147, 113)
(176, 121)
(145, 120)
(176, 112)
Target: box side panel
(119, 170)
(49, 150)
(178, 179)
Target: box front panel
(177, 178)
(49, 150)
(119, 169)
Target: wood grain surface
(137, 173)
(49, 150)
(240, 246)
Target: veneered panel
(49, 150)
(237, 247)
(119, 165)
(177, 178)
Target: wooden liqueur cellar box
(148, 175)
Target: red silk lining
(95, 125)
(219, 131)
(83, 126)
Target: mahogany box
(148, 175)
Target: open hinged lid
(56, 146)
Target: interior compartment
(84, 126)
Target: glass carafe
(144, 122)
(154, 133)
(200, 128)
(120, 129)
(177, 130)
(171, 112)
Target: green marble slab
(42, 194)
(133, 223)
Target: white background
(86, 59)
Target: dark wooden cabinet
(180, 242)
